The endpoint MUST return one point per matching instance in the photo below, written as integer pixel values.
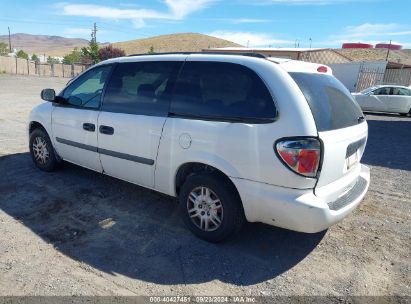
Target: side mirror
(48, 95)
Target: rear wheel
(42, 151)
(211, 207)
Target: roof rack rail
(257, 55)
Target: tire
(223, 218)
(42, 151)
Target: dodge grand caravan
(234, 137)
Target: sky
(258, 23)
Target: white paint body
(270, 192)
(385, 103)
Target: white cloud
(177, 10)
(182, 8)
(251, 39)
(371, 32)
(375, 29)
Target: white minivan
(234, 137)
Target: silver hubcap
(205, 209)
(41, 153)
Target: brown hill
(43, 44)
(402, 56)
(60, 46)
(184, 42)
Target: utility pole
(9, 39)
(310, 42)
(94, 33)
(388, 51)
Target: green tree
(52, 60)
(35, 58)
(4, 49)
(22, 54)
(74, 57)
(90, 53)
(151, 50)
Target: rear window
(222, 91)
(331, 103)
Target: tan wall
(398, 76)
(44, 70)
(7, 65)
(22, 66)
(11, 65)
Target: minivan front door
(134, 110)
(74, 123)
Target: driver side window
(86, 91)
(382, 91)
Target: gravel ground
(76, 232)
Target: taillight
(322, 69)
(300, 155)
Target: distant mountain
(60, 46)
(182, 42)
(43, 44)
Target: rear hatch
(340, 122)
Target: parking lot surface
(76, 232)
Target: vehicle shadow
(389, 144)
(124, 229)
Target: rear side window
(330, 102)
(222, 91)
(401, 92)
(141, 88)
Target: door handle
(89, 127)
(106, 130)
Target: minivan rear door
(340, 123)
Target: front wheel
(211, 207)
(42, 151)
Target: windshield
(331, 103)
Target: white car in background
(385, 98)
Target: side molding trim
(129, 157)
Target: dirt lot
(76, 232)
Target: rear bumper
(300, 210)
